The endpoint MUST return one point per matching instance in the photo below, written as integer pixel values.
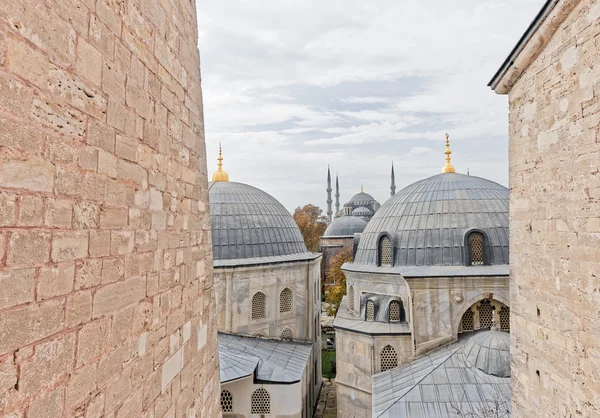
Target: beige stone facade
(554, 93)
(106, 289)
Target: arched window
(505, 318)
(486, 313)
(389, 358)
(260, 403)
(370, 310)
(385, 251)
(467, 320)
(396, 311)
(476, 255)
(285, 300)
(287, 334)
(351, 298)
(226, 401)
(259, 305)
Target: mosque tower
(393, 185)
(337, 195)
(329, 211)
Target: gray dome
(361, 210)
(428, 221)
(248, 223)
(489, 351)
(361, 198)
(345, 226)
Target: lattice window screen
(259, 302)
(370, 310)
(476, 247)
(285, 300)
(351, 298)
(389, 358)
(467, 320)
(385, 251)
(260, 402)
(505, 318)
(226, 401)
(287, 334)
(485, 314)
(394, 311)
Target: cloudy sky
(291, 86)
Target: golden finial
(361, 189)
(448, 168)
(220, 175)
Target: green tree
(312, 225)
(335, 293)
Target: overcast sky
(291, 86)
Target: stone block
(35, 175)
(23, 326)
(88, 273)
(126, 148)
(119, 295)
(88, 158)
(86, 215)
(69, 246)
(59, 117)
(31, 210)
(92, 340)
(121, 118)
(28, 246)
(113, 218)
(48, 404)
(8, 209)
(101, 135)
(15, 97)
(81, 385)
(78, 308)
(55, 281)
(89, 62)
(58, 213)
(171, 368)
(99, 243)
(107, 164)
(113, 269)
(17, 286)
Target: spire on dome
(337, 195)
(393, 184)
(220, 175)
(448, 168)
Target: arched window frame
(487, 253)
(401, 311)
(287, 334)
(351, 298)
(380, 239)
(254, 316)
(368, 304)
(289, 292)
(386, 363)
(226, 401)
(263, 396)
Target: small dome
(249, 223)
(345, 226)
(362, 197)
(489, 351)
(429, 219)
(361, 211)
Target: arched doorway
(483, 314)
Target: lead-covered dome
(489, 351)
(429, 220)
(362, 198)
(249, 223)
(345, 226)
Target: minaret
(337, 196)
(448, 168)
(329, 212)
(393, 185)
(220, 175)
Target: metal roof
(435, 384)
(428, 221)
(345, 226)
(249, 223)
(272, 360)
(346, 321)
(362, 197)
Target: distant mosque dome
(361, 211)
(361, 198)
(247, 223)
(345, 226)
(489, 351)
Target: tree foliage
(312, 225)
(334, 274)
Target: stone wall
(555, 223)
(106, 296)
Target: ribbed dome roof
(249, 223)
(345, 226)
(489, 351)
(361, 197)
(428, 221)
(361, 210)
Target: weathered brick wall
(106, 297)
(555, 225)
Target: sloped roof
(271, 360)
(436, 384)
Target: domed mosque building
(268, 303)
(423, 330)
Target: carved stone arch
(488, 253)
(469, 304)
